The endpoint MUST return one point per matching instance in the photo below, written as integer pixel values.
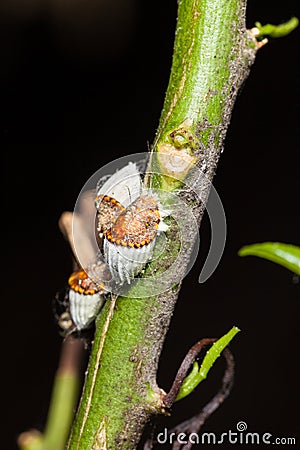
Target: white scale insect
(129, 219)
(83, 299)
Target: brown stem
(71, 356)
(190, 357)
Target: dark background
(82, 83)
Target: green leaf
(277, 31)
(286, 255)
(197, 375)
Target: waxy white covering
(125, 262)
(84, 308)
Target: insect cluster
(128, 221)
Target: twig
(190, 357)
(64, 397)
(63, 401)
(74, 228)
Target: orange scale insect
(77, 309)
(86, 297)
(136, 225)
(129, 234)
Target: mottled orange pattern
(137, 225)
(108, 211)
(80, 282)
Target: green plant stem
(63, 402)
(212, 56)
(64, 396)
(215, 54)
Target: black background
(83, 84)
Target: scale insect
(128, 220)
(76, 307)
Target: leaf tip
(276, 31)
(236, 329)
(243, 251)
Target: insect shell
(77, 307)
(128, 221)
(129, 233)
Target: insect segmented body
(86, 299)
(77, 308)
(129, 233)
(129, 219)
